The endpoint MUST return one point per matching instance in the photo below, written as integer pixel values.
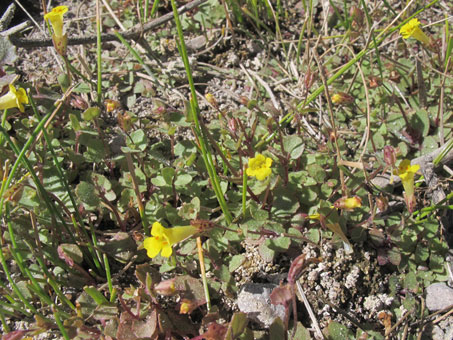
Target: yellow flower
(259, 167)
(111, 105)
(411, 30)
(342, 98)
(163, 239)
(14, 98)
(406, 172)
(348, 203)
(55, 16)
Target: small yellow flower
(163, 239)
(111, 105)
(348, 203)
(259, 167)
(55, 16)
(411, 30)
(14, 98)
(187, 306)
(342, 98)
(406, 172)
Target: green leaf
(82, 88)
(410, 282)
(277, 330)
(301, 333)
(189, 211)
(430, 144)
(73, 251)
(266, 253)
(339, 332)
(235, 262)
(139, 140)
(280, 244)
(294, 146)
(97, 296)
(316, 172)
(159, 181)
(421, 253)
(420, 121)
(91, 113)
(237, 325)
(74, 122)
(168, 174)
(86, 192)
(183, 180)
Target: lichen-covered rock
(254, 300)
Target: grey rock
(196, 43)
(254, 300)
(438, 296)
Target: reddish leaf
(281, 295)
(16, 335)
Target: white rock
(254, 300)
(438, 296)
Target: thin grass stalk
(20, 158)
(8, 181)
(139, 59)
(59, 323)
(108, 275)
(141, 208)
(203, 274)
(4, 115)
(6, 328)
(68, 190)
(76, 71)
(145, 13)
(449, 39)
(154, 9)
(207, 157)
(99, 52)
(13, 284)
(4, 306)
(278, 33)
(20, 261)
(244, 190)
(376, 49)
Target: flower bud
(187, 306)
(357, 16)
(166, 288)
(211, 100)
(342, 98)
(111, 105)
(389, 155)
(348, 203)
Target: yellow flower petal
(166, 251)
(178, 234)
(153, 246)
(157, 229)
(411, 30)
(163, 239)
(14, 98)
(259, 167)
(55, 16)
